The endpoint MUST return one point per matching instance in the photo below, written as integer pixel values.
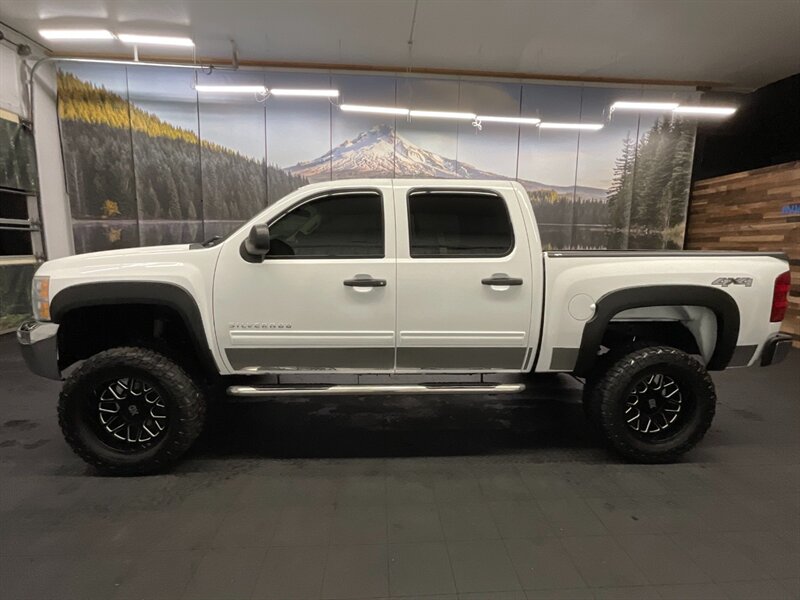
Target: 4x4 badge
(726, 281)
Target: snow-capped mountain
(378, 152)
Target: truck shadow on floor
(547, 416)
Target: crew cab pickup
(405, 278)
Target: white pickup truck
(406, 278)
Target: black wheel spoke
(654, 404)
(131, 413)
(112, 426)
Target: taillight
(780, 297)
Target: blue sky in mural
(298, 129)
(235, 121)
(437, 135)
(111, 77)
(365, 90)
(494, 147)
(548, 155)
(167, 93)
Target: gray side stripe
(377, 358)
(311, 358)
(563, 359)
(460, 358)
(742, 355)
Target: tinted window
(458, 224)
(339, 226)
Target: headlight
(40, 296)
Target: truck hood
(119, 259)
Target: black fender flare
(153, 293)
(719, 302)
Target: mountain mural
(145, 174)
(380, 152)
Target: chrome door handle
(364, 282)
(497, 280)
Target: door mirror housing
(256, 246)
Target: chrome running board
(357, 390)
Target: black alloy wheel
(131, 411)
(654, 404)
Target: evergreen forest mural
(149, 161)
(17, 156)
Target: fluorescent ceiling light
(155, 40)
(232, 89)
(136, 63)
(521, 120)
(662, 106)
(708, 111)
(437, 114)
(379, 110)
(580, 126)
(76, 34)
(312, 93)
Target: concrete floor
(431, 497)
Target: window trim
(472, 191)
(328, 194)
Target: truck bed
(577, 281)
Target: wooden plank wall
(748, 211)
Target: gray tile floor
(470, 498)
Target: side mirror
(257, 243)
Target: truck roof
(426, 182)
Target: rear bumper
(775, 349)
(39, 346)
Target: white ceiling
(742, 43)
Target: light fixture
(136, 63)
(232, 89)
(520, 120)
(155, 40)
(438, 114)
(76, 34)
(657, 106)
(579, 126)
(309, 93)
(378, 110)
(706, 111)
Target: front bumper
(39, 346)
(775, 349)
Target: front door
(464, 279)
(324, 296)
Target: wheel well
(668, 333)
(85, 331)
(646, 305)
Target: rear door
(323, 298)
(464, 279)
